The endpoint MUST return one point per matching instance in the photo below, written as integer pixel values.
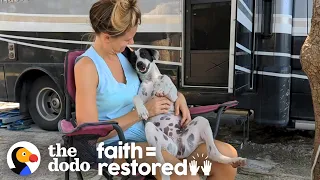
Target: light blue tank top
(115, 99)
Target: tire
(46, 103)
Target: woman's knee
(232, 152)
(226, 149)
(187, 175)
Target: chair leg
(246, 137)
(79, 175)
(66, 143)
(106, 174)
(67, 173)
(218, 118)
(245, 130)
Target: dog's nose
(140, 65)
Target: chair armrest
(101, 128)
(229, 104)
(217, 108)
(209, 108)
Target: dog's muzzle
(142, 67)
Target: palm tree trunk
(310, 62)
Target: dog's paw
(239, 162)
(159, 91)
(143, 112)
(162, 90)
(166, 89)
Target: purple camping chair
(84, 137)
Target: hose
(315, 162)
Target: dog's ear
(154, 53)
(131, 56)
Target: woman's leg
(168, 159)
(218, 171)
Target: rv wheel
(46, 103)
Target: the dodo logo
(23, 158)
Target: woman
(106, 84)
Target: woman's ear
(106, 37)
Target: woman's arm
(86, 80)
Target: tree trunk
(310, 62)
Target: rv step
(304, 125)
(240, 112)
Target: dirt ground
(273, 153)
(277, 154)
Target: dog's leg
(198, 131)
(160, 140)
(164, 86)
(141, 109)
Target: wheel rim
(48, 103)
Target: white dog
(164, 131)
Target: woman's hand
(181, 105)
(158, 105)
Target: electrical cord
(315, 162)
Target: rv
(214, 51)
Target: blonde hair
(114, 17)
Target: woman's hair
(114, 17)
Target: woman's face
(118, 44)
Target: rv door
(242, 44)
(218, 46)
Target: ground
(277, 154)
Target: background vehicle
(214, 50)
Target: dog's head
(142, 59)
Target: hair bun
(132, 3)
(125, 9)
(114, 17)
(126, 5)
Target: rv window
(210, 26)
